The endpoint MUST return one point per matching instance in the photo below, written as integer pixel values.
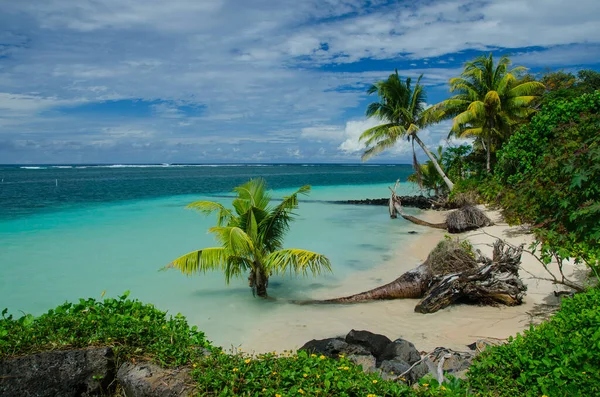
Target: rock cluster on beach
(398, 359)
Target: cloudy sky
(138, 81)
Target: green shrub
(560, 357)
(289, 375)
(132, 328)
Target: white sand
(453, 327)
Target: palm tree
(430, 178)
(251, 238)
(490, 100)
(402, 109)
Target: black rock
(394, 367)
(413, 232)
(403, 350)
(374, 343)
(150, 380)
(333, 347)
(88, 372)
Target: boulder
(86, 372)
(374, 343)
(367, 362)
(394, 367)
(333, 347)
(150, 380)
(401, 349)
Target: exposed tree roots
(452, 272)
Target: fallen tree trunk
(411, 284)
(458, 221)
(452, 273)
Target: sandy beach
(453, 327)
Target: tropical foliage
(560, 357)
(490, 100)
(251, 239)
(133, 329)
(548, 174)
(401, 108)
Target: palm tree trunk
(435, 163)
(258, 281)
(489, 153)
(411, 284)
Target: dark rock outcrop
(397, 360)
(150, 380)
(88, 372)
(333, 347)
(403, 350)
(374, 343)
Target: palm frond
(526, 89)
(297, 261)
(208, 207)
(236, 241)
(200, 261)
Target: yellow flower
(426, 384)
(300, 391)
(194, 365)
(264, 390)
(274, 372)
(109, 338)
(277, 395)
(583, 372)
(305, 375)
(342, 356)
(235, 370)
(247, 361)
(313, 355)
(371, 395)
(164, 326)
(544, 395)
(442, 388)
(318, 376)
(374, 381)
(346, 368)
(322, 357)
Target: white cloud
(352, 133)
(253, 67)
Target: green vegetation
(402, 110)
(140, 331)
(560, 357)
(490, 101)
(251, 238)
(133, 329)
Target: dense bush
(549, 173)
(560, 357)
(132, 328)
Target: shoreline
(453, 327)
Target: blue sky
(138, 81)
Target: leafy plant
(559, 357)
(132, 328)
(251, 238)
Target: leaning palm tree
(401, 108)
(251, 238)
(491, 99)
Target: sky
(230, 81)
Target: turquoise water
(80, 244)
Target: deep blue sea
(75, 231)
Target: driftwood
(458, 221)
(452, 273)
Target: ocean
(77, 231)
